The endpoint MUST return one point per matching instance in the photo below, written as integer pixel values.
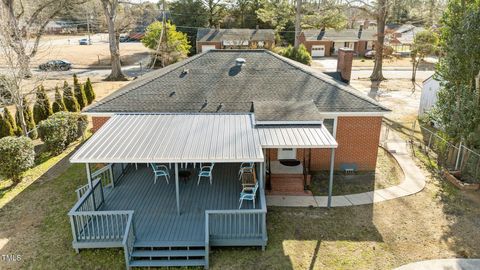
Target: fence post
(111, 175)
(458, 156)
(430, 139)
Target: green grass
(437, 223)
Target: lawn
(439, 222)
(387, 174)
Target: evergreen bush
(69, 99)
(16, 156)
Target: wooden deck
(154, 205)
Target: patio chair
(245, 167)
(160, 170)
(205, 171)
(248, 194)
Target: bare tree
(110, 8)
(15, 87)
(25, 20)
(379, 10)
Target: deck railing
(237, 227)
(128, 239)
(106, 175)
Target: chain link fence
(454, 157)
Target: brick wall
(98, 121)
(357, 139)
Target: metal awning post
(330, 180)
(177, 193)
(89, 175)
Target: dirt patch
(388, 173)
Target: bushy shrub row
(300, 55)
(61, 129)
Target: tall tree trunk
(110, 10)
(377, 74)
(298, 17)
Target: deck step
(167, 263)
(169, 244)
(168, 253)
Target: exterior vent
(240, 61)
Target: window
(329, 124)
(287, 153)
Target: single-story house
(182, 157)
(401, 36)
(214, 38)
(428, 98)
(327, 42)
(61, 27)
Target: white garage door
(318, 50)
(206, 48)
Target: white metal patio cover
(190, 138)
(173, 138)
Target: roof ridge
(158, 73)
(322, 76)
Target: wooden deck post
(89, 175)
(330, 180)
(177, 188)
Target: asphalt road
(130, 71)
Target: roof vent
(240, 61)
(173, 94)
(220, 107)
(185, 71)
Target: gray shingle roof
(214, 83)
(286, 111)
(340, 35)
(218, 35)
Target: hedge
(16, 156)
(61, 129)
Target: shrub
(69, 99)
(79, 91)
(300, 55)
(7, 115)
(29, 121)
(58, 105)
(89, 93)
(16, 156)
(41, 109)
(5, 128)
(61, 129)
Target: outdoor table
(184, 174)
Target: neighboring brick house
(327, 42)
(214, 38)
(278, 91)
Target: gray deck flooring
(156, 217)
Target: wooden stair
(168, 254)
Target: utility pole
(160, 40)
(298, 17)
(88, 28)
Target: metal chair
(248, 194)
(205, 171)
(245, 167)
(160, 170)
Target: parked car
(370, 54)
(85, 41)
(124, 38)
(56, 65)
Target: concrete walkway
(414, 182)
(443, 264)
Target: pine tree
(69, 99)
(79, 92)
(28, 116)
(7, 115)
(58, 105)
(89, 93)
(41, 109)
(5, 128)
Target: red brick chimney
(344, 63)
